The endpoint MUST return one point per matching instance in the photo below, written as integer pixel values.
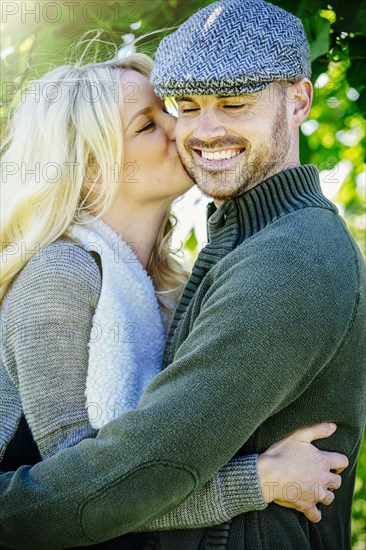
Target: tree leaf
(304, 9)
(361, 17)
(191, 242)
(317, 29)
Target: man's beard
(268, 159)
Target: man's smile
(220, 155)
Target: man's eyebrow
(188, 98)
(141, 112)
(247, 96)
(183, 98)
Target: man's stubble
(259, 163)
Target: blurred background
(39, 35)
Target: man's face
(229, 144)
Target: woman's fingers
(310, 511)
(337, 462)
(328, 498)
(296, 474)
(334, 483)
(318, 431)
(313, 514)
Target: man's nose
(208, 127)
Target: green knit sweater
(270, 335)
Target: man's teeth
(220, 155)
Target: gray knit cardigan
(46, 322)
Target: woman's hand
(295, 474)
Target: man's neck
(220, 202)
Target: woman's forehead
(136, 88)
(138, 94)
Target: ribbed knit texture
(270, 336)
(233, 491)
(10, 410)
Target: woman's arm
(47, 322)
(233, 490)
(250, 482)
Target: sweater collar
(240, 218)
(277, 196)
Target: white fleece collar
(127, 337)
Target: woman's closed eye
(151, 124)
(146, 127)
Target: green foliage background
(36, 36)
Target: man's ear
(300, 96)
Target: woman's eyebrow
(141, 112)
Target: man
(270, 332)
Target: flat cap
(232, 47)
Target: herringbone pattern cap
(232, 47)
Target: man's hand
(295, 474)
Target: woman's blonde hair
(66, 129)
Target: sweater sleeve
(48, 325)
(273, 338)
(232, 491)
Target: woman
(88, 279)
